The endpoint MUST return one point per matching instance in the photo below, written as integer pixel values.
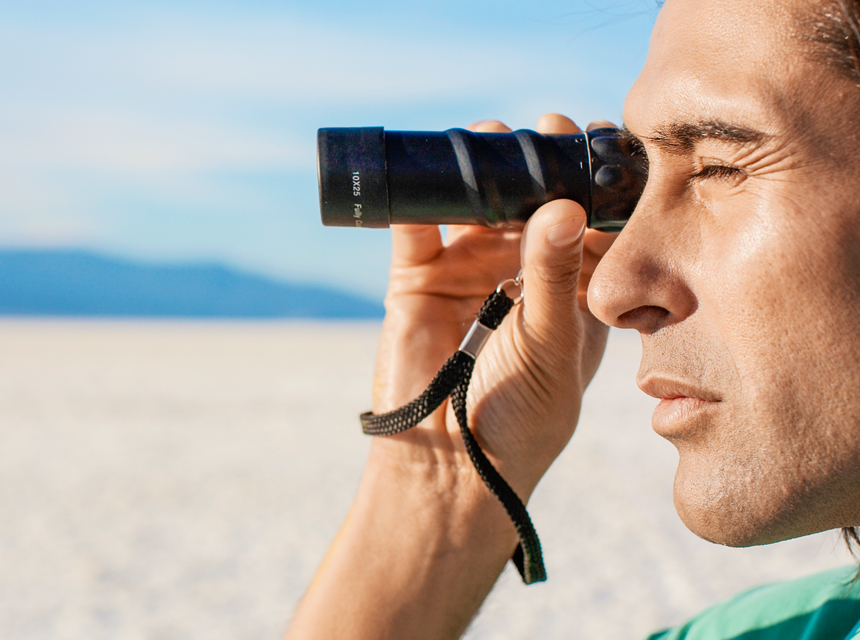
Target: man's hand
(525, 394)
(425, 539)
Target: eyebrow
(681, 137)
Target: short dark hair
(834, 31)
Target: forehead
(732, 59)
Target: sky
(186, 130)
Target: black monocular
(369, 177)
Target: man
(740, 269)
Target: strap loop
(453, 380)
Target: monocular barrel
(369, 177)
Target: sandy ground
(182, 480)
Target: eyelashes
(719, 172)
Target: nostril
(646, 319)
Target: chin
(736, 514)
(725, 529)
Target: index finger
(489, 126)
(556, 123)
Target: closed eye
(720, 172)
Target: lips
(683, 405)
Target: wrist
(423, 536)
(427, 473)
(450, 535)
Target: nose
(642, 282)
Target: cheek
(783, 291)
(747, 277)
(778, 286)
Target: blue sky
(185, 130)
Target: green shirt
(825, 606)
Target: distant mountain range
(80, 283)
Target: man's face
(741, 269)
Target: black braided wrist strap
(453, 380)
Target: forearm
(420, 550)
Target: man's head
(741, 265)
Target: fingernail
(564, 234)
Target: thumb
(552, 256)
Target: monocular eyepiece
(369, 177)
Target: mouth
(682, 405)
